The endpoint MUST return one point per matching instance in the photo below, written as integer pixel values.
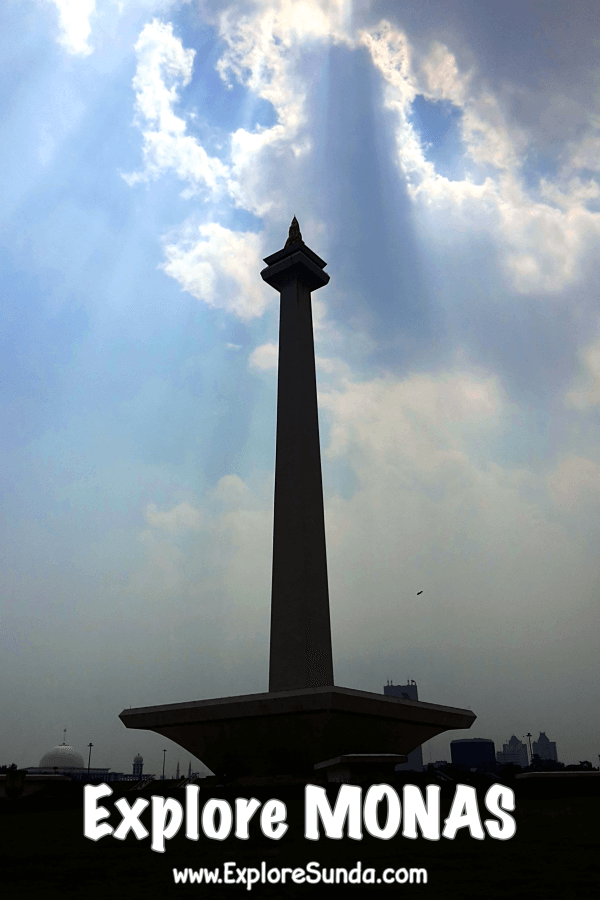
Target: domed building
(66, 761)
(62, 759)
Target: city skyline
(427, 749)
(444, 161)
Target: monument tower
(304, 721)
(300, 651)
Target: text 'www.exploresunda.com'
(312, 873)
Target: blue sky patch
(438, 124)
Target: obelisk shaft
(300, 650)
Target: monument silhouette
(304, 721)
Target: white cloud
(422, 513)
(230, 489)
(219, 267)
(161, 59)
(391, 54)
(214, 264)
(262, 53)
(163, 65)
(181, 518)
(585, 153)
(542, 245)
(542, 234)
(444, 80)
(577, 192)
(260, 44)
(407, 429)
(575, 479)
(264, 358)
(74, 21)
(487, 135)
(589, 394)
(425, 509)
(332, 366)
(211, 563)
(264, 50)
(422, 507)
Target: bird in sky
(419, 592)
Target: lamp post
(90, 745)
(164, 756)
(528, 735)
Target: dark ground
(554, 854)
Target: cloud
(211, 562)
(181, 518)
(264, 358)
(421, 506)
(420, 509)
(409, 430)
(576, 193)
(589, 394)
(542, 231)
(259, 54)
(585, 152)
(542, 237)
(391, 53)
(575, 479)
(162, 66)
(230, 490)
(263, 50)
(219, 267)
(424, 507)
(444, 80)
(74, 22)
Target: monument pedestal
(289, 732)
(352, 768)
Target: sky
(444, 159)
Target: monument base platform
(355, 768)
(288, 732)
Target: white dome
(62, 757)
(138, 759)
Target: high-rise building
(406, 691)
(473, 753)
(514, 752)
(138, 765)
(544, 748)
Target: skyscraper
(473, 753)
(544, 748)
(407, 691)
(514, 752)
